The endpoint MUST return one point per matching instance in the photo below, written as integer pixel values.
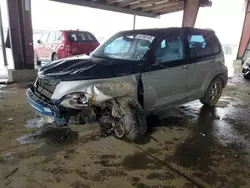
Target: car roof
(74, 31)
(161, 31)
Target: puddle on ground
(8, 156)
(46, 134)
(1, 92)
(222, 127)
(35, 123)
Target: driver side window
(170, 49)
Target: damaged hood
(89, 67)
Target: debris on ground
(10, 173)
(202, 134)
(10, 119)
(236, 155)
(223, 156)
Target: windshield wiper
(102, 56)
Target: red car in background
(55, 45)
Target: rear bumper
(44, 108)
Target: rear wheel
(54, 57)
(132, 124)
(213, 93)
(36, 61)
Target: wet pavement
(187, 146)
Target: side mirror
(39, 41)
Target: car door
(165, 81)
(202, 67)
(49, 46)
(40, 46)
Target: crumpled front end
(39, 97)
(100, 89)
(65, 100)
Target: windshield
(125, 47)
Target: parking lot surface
(187, 146)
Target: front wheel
(213, 93)
(132, 124)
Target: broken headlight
(77, 100)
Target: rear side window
(203, 44)
(59, 35)
(78, 36)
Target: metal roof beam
(107, 7)
(147, 3)
(169, 9)
(162, 5)
(172, 11)
(128, 2)
(108, 2)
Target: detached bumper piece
(44, 108)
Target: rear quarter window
(203, 45)
(78, 36)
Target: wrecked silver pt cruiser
(130, 75)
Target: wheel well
(222, 78)
(52, 55)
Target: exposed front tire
(132, 121)
(213, 92)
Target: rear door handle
(185, 67)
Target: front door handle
(185, 67)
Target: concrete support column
(191, 8)
(245, 36)
(21, 34)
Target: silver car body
(162, 89)
(156, 85)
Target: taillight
(67, 47)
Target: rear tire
(54, 57)
(133, 121)
(213, 92)
(36, 61)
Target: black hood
(86, 67)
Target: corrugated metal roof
(149, 8)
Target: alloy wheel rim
(119, 130)
(215, 92)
